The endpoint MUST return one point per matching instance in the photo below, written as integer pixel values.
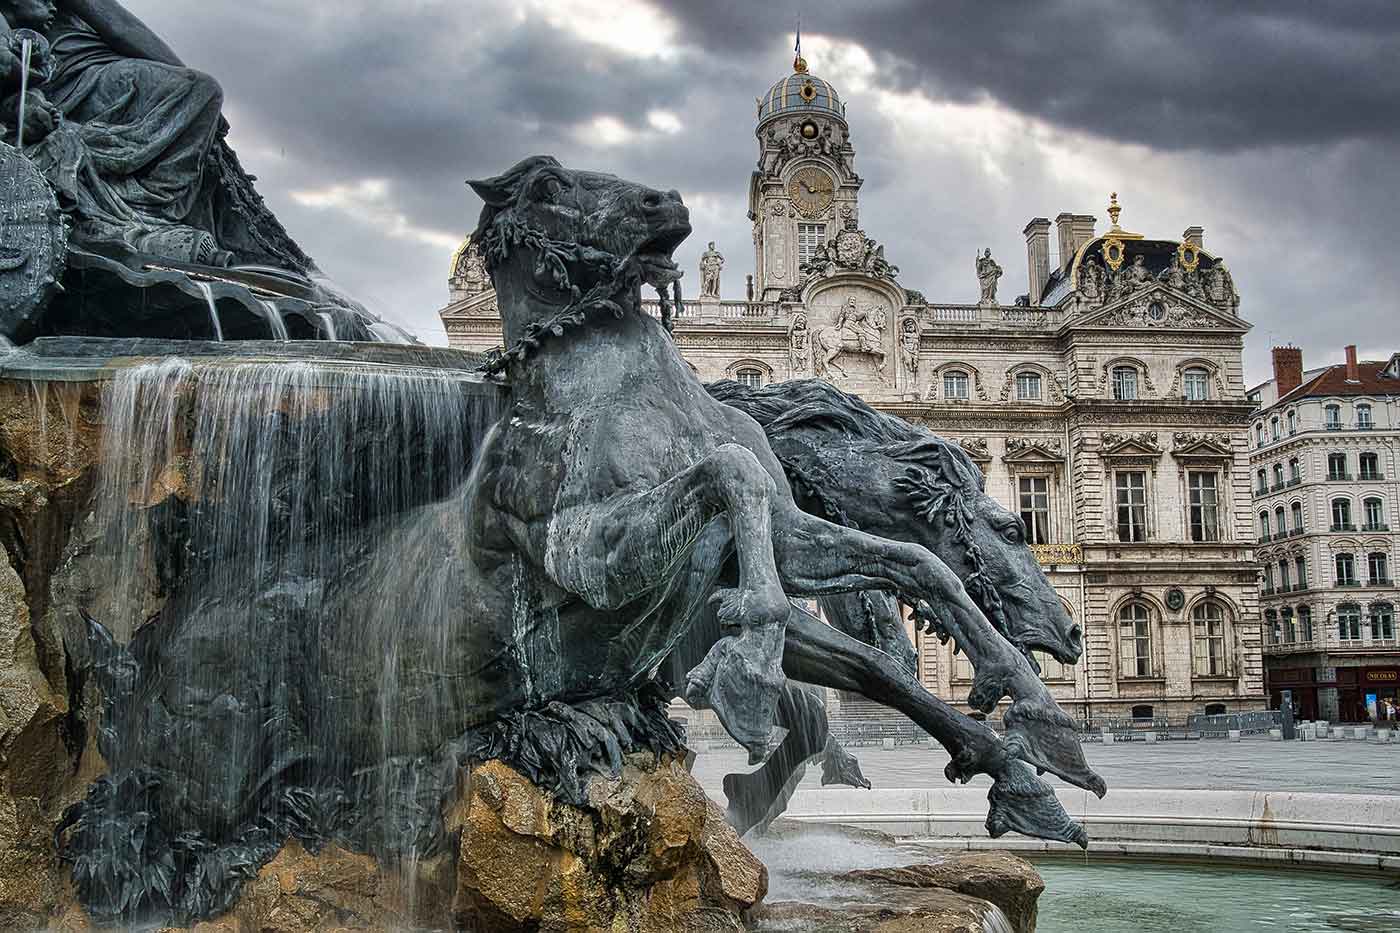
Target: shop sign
(1382, 676)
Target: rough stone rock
(1011, 883)
(649, 853)
(932, 910)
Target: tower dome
(800, 93)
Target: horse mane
(816, 406)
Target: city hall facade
(1106, 405)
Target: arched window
(753, 378)
(1263, 477)
(1134, 640)
(1333, 417)
(1382, 622)
(1305, 626)
(1369, 466)
(1125, 384)
(1297, 509)
(1278, 475)
(1142, 711)
(1300, 572)
(1295, 471)
(1337, 466)
(1263, 526)
(1374, 511)
(1280, 523)
(1196, 383)
(1215, 709)
(1341, 515)
(1208, 639)
(1274, 428)
(1028, 386)
(1377, 569)
(955, 384)
(1292, 423)
(1346, 569)
(1363, 417)
(1349, 622)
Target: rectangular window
(955, 385)
(1370, 466)
(1349, 623)
(1300, 567)
(1197, 385)
(1334, 418)
(1028, 386)
(1382, 622)
(1346, 570)
(1135, 645)
(1210, 647)
(1130, 494)
(1205, 507)
(1125, 381)
(1283, 575)
(1376, 567)
(809, 237)
(1035, 508)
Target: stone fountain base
(648, 854)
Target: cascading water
(234, 498)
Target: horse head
(985, 545)
(554, 238)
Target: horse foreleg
(1020, 801)
(816, 557)
(614, 552)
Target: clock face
(812, 191)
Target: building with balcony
(1106, 405)
(1325, 450)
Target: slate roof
(1332, 381)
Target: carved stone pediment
(1140, 444)
(480, 305)
(976, 448)
(1201, 445)
(1033, 450)
(1157, 306)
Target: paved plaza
(1329, 767)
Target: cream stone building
(1106, 405)
(1326, 460)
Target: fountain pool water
(1169, 897)
(1107, 895)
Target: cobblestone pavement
(1331, 766)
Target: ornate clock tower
(804, 191)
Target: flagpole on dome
(799, 64)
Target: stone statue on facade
(1174, 276)
(1135, 276)
(1219, 286)
(909, 346)
(799, 346)
(988, 272)
(857, 329)
(711, 262)
(1091, 280)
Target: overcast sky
(1272, 124)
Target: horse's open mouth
(654, 256)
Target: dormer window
(1125, 383)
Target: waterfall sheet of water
(26, 52)
(275, 324)
(208, 293)
(276, 469)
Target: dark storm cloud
(1167, 74)
(1272, 124)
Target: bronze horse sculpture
(616, 518)
(864, 469)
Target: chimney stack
(1353, 371)
(1288, 369)
(1196, 236)
(1071, 232)
(1037, 257)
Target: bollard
(887, 744)
(1276, 735)
(1383, 736)
(1150, 738)
(1234, 735)
(1359, 732)
(1107, 738)
(1307, 733)
(1321, 726)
